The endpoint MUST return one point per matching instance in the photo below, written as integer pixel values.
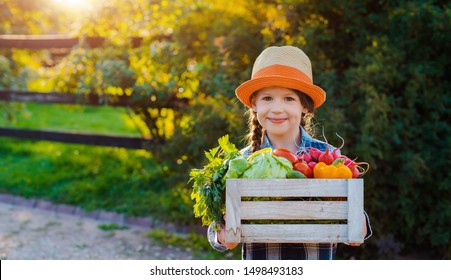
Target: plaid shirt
(286, 251)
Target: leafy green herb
(209, 183)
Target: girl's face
(279, 111)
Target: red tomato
(281, 152)
(304, 169)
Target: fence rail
(75, 137)
(80, 138)
(54, 41)
(64, 98)
(83, 99)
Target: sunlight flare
(75, 4)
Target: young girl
(281, 98)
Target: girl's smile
(277, 120)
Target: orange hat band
(284, 71)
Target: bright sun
(75, 4)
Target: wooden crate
(339, 200)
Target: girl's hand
(222, 239)
(353, 244)
(364, 233)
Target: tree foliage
(383, 64)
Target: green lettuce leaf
(264, 165)
(237, 166)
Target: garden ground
(30, 233)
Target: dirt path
(32, 233)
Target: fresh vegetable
(305, 157)
(311, 164)
(314, 153)
(263, 164)
(358, 170)
(237, 166)
(337, 170)
(281, 152)
(343, 172)
(326, 156)
(334, 165)
(209, 182)
(303, 168)
(295, 174)
(322, 170)
(355, 172)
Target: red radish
(326, 157)
(300, 156)
(358, 170)
(355, 172)
(336, 151)
(306, 157)
(362, 169)
(314, 153)
(348, 162)
(311, 164)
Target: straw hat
(285, 66)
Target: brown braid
(306, 120)
(255, 136)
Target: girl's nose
(277, 106)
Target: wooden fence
(71, 137)
(34, 42)
(66, 43)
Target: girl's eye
(266, 98)
(289, 98)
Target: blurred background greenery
(384, 65)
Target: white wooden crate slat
(292, 187)
(292, 210)
(293, 233)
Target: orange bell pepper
(323, 170)
(334, 171)
(343, 172)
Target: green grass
(92, 177)
(111, 227)
(64, 117)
